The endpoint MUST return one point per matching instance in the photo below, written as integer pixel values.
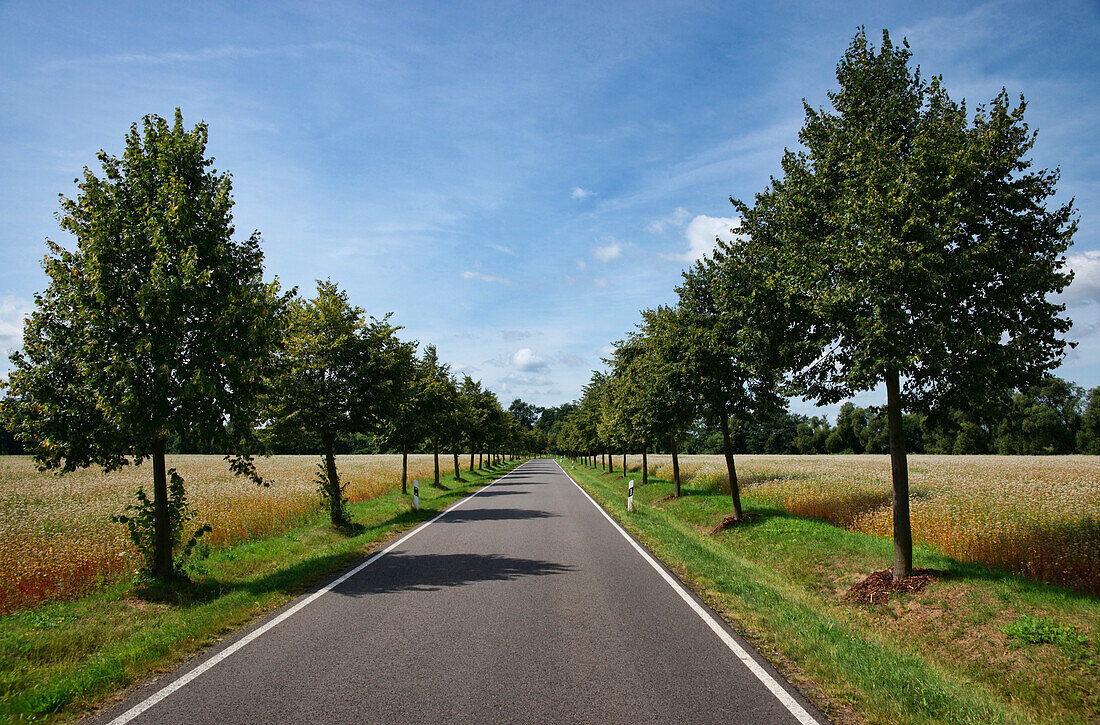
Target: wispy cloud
(606, 253)
(503, 249)
(202, 55)
(581, 194)
(676, 220)
(485, 277)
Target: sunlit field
(1033, 515)
(57, 539)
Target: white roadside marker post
(416, 495)
(630, 496)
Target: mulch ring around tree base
(880, 586)
(730, 521)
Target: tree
(336, 375)
(919, 247)
(158, 324)
(475, 411)
(406, 427)
(526, 414)
(1088, 439)
(727, 346)
(437, 397)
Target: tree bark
(471, 458)
(645, 464)
(610, 462)
(435, 450)
(675, 465)
(899, 469)
(458, 473)
(163, 567)
(335, 499)
(404, 467)
(624, 463)
(727, 447)
(480, 461)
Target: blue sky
(514, 181)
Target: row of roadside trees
(908, 244)
(158, 326)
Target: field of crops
(1034, 515)
(57, 540)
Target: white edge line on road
(718, 628)
(243, 641)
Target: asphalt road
(522, 604)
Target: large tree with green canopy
(156, 324)
(919, 244)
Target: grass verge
(62, 659)
(978, 646)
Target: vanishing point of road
(521, 604)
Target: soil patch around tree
(731, 521)
(880, 586)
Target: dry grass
(57, 540)
(1033, 515)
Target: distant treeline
(1055, 418)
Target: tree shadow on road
(497, 514)
(430, 572)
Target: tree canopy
(157, 323)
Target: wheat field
(57, 539)
(1038, 516)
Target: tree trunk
(471, 458)
(899, 469)
(404, 467)
(645, 464)
(163, 567)
(624, 463)
(610, 462)
(480, 461)
(727, 447)
(675, 465)
(435, 450)
(458, 473)
(335, 497)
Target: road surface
(521, 604)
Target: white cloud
(484, 277)
(12, 313)
(525, 359)
(607, 351)
(1086, 278)
(600, 283)
(701, 233)
(608, 252)
(581, 265)
(676, 219)
(582, 194)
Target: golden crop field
(57, 539)
(1033, 515)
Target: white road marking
(177, 684)
(763, 675)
